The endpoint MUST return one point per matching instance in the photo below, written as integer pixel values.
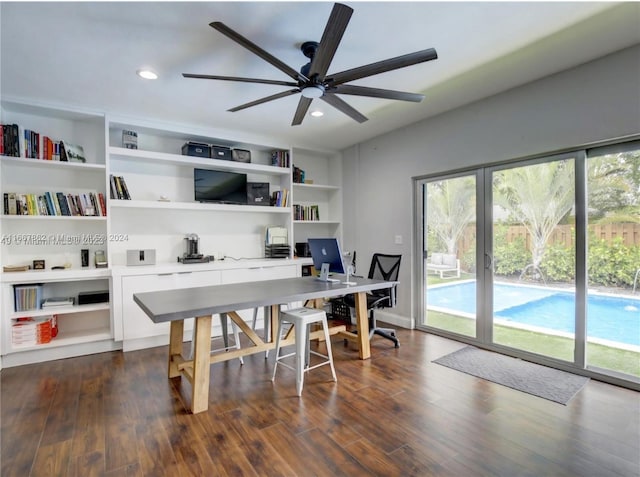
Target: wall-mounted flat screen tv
(221, 187)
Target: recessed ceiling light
(147, 74)
(316, 113)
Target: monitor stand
(324, 274)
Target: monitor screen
(219, 186)
(326, 250)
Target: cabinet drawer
(257, 274)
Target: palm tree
(539, 197)
(450, 208)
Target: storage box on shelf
(162, 209)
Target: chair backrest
(385, 267)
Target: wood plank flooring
(397, 414)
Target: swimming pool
(610, 318)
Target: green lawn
(558, 347)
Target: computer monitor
(326, 250)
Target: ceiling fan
(313, 81)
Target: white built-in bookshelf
(161, 211)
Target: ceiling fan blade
(340, 105)
(249, 45)
(377, 93)
(303, 107)
(244, 80)
(382, 66)
(336, 25)
(284, 94)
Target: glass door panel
(613, 261)
(533, 258)
(449, 254)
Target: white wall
(596, 101)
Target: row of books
(55, 203)
(119, 189)
(306, 212)
(30, 331)
(298, 175)
(280, 159)
(16, 142)
(27, 297)
(280, 198)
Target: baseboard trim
(396, 320)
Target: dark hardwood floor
(397, 414)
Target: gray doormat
(542, 381)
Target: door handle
(488, 261)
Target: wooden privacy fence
(562, 234)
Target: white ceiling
(86, 54)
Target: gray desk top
(184, 303)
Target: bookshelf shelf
(60, 310)
(87, 218)
(41, 163)
(235, 208)
(315, 187)
(158, 158)
(316, 222)
(68, 339)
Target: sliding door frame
(484, 262)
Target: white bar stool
(301, 318)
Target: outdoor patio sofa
(444, 263)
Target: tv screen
(220, 186)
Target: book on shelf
(306, 212)
(29, 331)
(298, 175)
(280, 158)
(119, 189)
(57, 301)
(27, 297)
(280, 198)
(55, 203)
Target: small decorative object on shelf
(38, 265)
(129, 139)
(100, 259)
(71, 152)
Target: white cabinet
(136, 325)
(321, 190)
(138, 331)
(82, 328)
(162, 209)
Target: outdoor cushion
(436, 258)
(449, 260)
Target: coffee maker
(192, 250)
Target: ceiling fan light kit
(312, 81)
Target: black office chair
(383, 267)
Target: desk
(202, 302)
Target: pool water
(608, 318)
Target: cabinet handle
(184, 273)
(165, 274)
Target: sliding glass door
(533, 266)
(538, 258)
(613, 259)
(448, 249)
